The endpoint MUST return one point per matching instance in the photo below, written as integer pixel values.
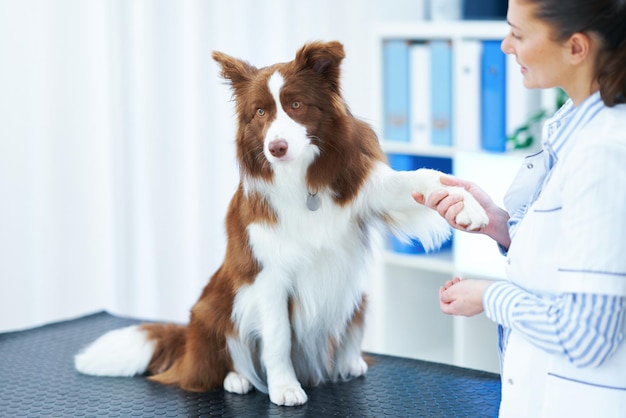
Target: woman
(560, 315)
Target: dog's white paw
(356, 368)
(360, 368)
(472, 216)
(290, 395)
(236, 383)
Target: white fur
(319, 259)
(283, 127)
(236, 383)
(121, 352)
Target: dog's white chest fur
(317, 260)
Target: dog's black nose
(278, 148)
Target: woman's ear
(579, 46)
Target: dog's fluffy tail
(133, 350)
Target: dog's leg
(391, 191)
(283, 385)
(349, 360)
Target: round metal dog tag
(313, 202)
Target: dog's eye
(260, 112)
(296, 105)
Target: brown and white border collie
(287, 306)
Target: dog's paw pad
(472, 216)
(236, 383)
(288, 396)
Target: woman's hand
(448, 206)
(462, 297)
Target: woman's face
(540, 57)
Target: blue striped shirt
(584, 327)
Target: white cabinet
(405, 317)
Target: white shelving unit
(406, 318)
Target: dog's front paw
(290, 395)
(472, 216)
(354, 369)
(236, 383)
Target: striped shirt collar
(569, 118)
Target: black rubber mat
(37, 378)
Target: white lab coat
(534, 382)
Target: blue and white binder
(493, 97)
(441, 96)
(396, 94)
(467, 53)
(421, 115)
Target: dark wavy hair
(607, 19)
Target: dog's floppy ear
(323, 58)
(234, 70)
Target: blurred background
(116, 141)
